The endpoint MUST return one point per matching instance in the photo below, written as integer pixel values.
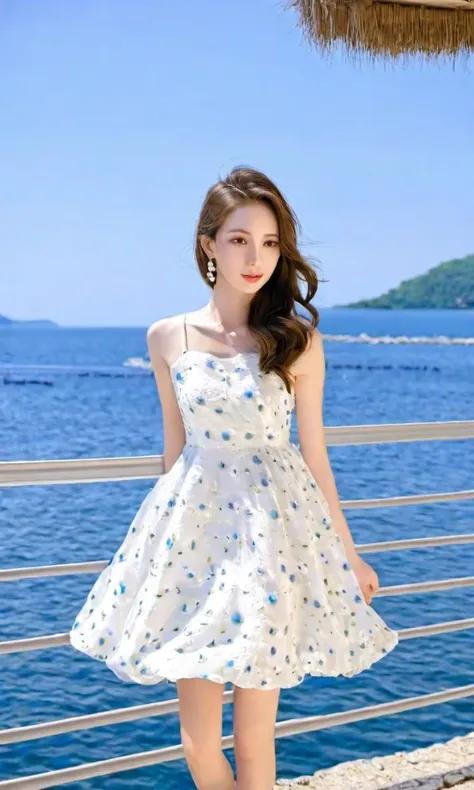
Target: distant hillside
(449, 285)
(6, 322)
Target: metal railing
(94, 470)
(97, 470)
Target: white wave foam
(398, 340)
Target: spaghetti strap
(185, 339)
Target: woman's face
(246, 244)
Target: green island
(447, 286)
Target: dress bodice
(228, 403)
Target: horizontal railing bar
(425, 587)
(34, 643)
(412, 543)
(90, 721)
(121, 715)
(437, 628)
(96, 566)
(59, 640)
(312, 723)
(80, 470)
(94, 470)
(282, 730)
(340, 436)
(403, 501)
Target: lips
(252, 278)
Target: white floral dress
(231, 569)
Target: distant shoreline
(6, 323)
(10, 323)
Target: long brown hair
(281, 334)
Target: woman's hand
(367, 578)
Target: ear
(207, 245)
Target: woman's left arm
(310, 374)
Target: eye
(273, 242)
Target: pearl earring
(210, 271)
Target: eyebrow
(241, 230)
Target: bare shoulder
(313, 356)
(159, 329)
(163, 336)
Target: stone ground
(441, 765)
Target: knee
(252, 744)
(200, 748)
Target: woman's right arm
(158, 340)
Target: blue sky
(118, 115)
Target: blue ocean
(382, 367)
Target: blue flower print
(273, 597)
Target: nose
(252, 256)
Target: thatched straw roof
(389, 29)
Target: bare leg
(200, 713)
(254, 737)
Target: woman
(238, 567)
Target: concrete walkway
(441, 765)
